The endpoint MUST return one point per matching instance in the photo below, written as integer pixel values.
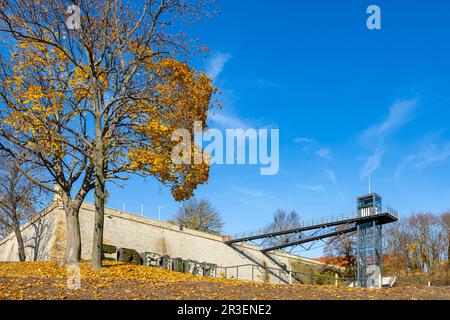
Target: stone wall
(125, 230)
(40, 237)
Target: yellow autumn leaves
(52, 93)
(33, 100)
(46, 280)
(111, 270)
(179, 98)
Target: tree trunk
(73, 243)
(21, 247)
(99, 195)
(448, 250)
(97, 245)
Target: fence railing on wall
(252, 272)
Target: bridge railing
(250, 272)
(303, 224)
(318, 221)
(391, 211)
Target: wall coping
(115, 213)
(173, 227)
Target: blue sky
(347, 101)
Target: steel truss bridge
(367, 222)
(314, 230)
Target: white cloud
(264, 83)
(228, 121)
(332, 176)
(324, 153)
(428, 155)
(313, 188)
(372, 163)
(303, 140)
(400, 113)
(313, 146)
(216, 64)
(250, 193)
(226, 118)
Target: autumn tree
(282, 220)
(119, 88)
(199, 215)
(140, 90)
(20, 199)
(43, 120)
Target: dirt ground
(45, 280)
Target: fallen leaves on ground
(47, 280)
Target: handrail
(291, 273)
(318, 221)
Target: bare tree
(343, 248)
(19, 199)
(199, 215)
(418, 243)
(398, 242)
(428, 239)
(283, 221)
(3, 231)
(394, 244)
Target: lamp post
(159, 212)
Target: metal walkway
(314, 230)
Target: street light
(159, 212)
